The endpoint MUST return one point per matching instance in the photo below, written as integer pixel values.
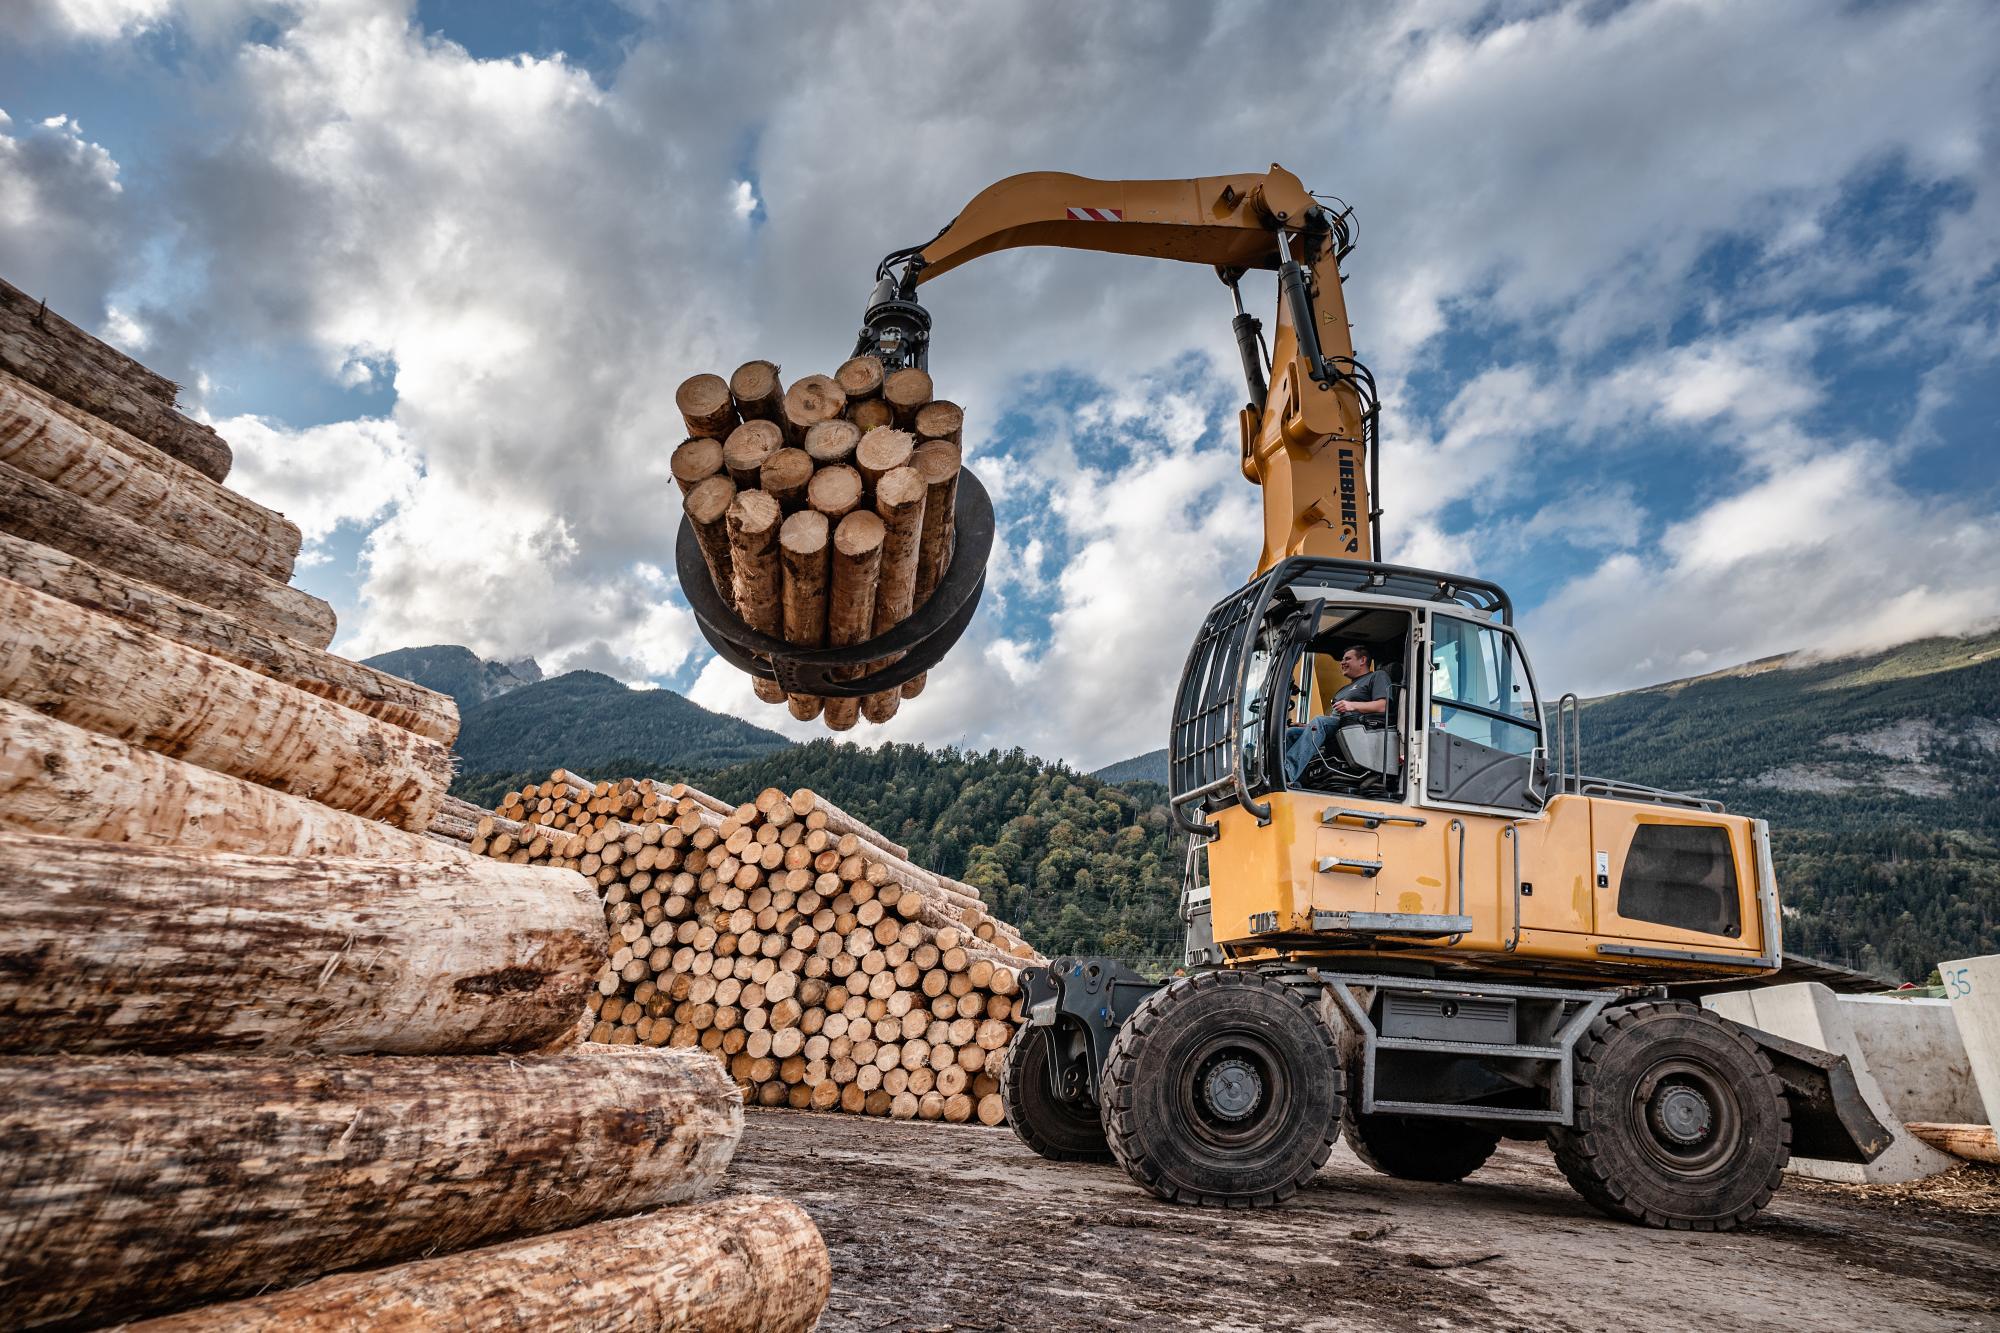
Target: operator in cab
(1364, 699)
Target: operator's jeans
(1302, 743)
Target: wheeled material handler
(1411, 918)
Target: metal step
(1468, 1048)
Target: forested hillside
(595, 724)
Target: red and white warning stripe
(1097, 215)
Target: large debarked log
(105, 949)
(378, 694)
(56, 778)
(137, 1184)
(40, 511)
(737, 1265)
(106, 676)
(50, 352)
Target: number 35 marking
(1958, 983)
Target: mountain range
(1880, 775)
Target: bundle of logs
(259, 1025)
(824, 510)
(791, 939)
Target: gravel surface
(949, 1227)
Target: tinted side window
(1681, 875)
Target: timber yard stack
(783, 934)
(257, 1024)
(825, 510)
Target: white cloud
(347, 472)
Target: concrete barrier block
(1810, 1013)
(1972, 989)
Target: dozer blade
(1830, 1121)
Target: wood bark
(139, 1183)
(38, 511)
(49, 446)
(835, 491)
(1975, 1143)
(378, 694)
(754, 519)
(905, 391)
(850, 613)
(785, 475)
(742, 1264)
(808, 402)
(937, 462)
(708, 506)
(759, 394)
(871, 413)
(746, 449)
(107, 676)
(940, 420)
(830, 442)
(881, 451)
(705, 406)
(53, 354)
(695, 460)
(914, 686)
(859, 377)
(899, 500)
(59, 779)
(168, 949)
(275, 527)
(805, 801)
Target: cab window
(1484, 724)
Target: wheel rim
(1234, 1090)
(1689, 1118)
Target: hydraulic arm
(1308, 427)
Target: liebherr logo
(1350, 511)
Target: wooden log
(49, 352)
(899, 500)
(850, 611)
(681, 791)
(808, 402)
(914, 686)
(754, 519)
(694, 461)
(1974, 1143)
(940, 420)
(46, 445)
(101, 674)
(161, 950)
(784, 477)
(746, 450)
(757, 391)
(742, 1264)
(806, 801)
(871, 413)
(830, 442)
(273, 527)
(708, 506)
(38, 511)
(139, 1183)
(835, 491)
(804, 545)
(859, 377)
(905, 391)
(881, 451)
(59, 779)
(706, 406)
(938, 463)
(378, 694)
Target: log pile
(263, 1016)
(800, 945)
(824, 510)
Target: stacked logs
(824, 511)
(262, 1016)
(795, 942)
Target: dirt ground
(945, 1227)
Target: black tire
(1223, 1088)
(1421, 1147)
(1680, 1122)
(1058, 1130)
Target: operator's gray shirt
(1373, 686)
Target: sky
(1684, 313)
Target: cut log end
(940, 420)
(757, 390)
(785, 475)
(695, 460)
(830, 442)
(883, 450)
(705, 405)
(870, 414)
(906, 391)
(814, 399)
(747, 449)
(834, 491)
(860, 378)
